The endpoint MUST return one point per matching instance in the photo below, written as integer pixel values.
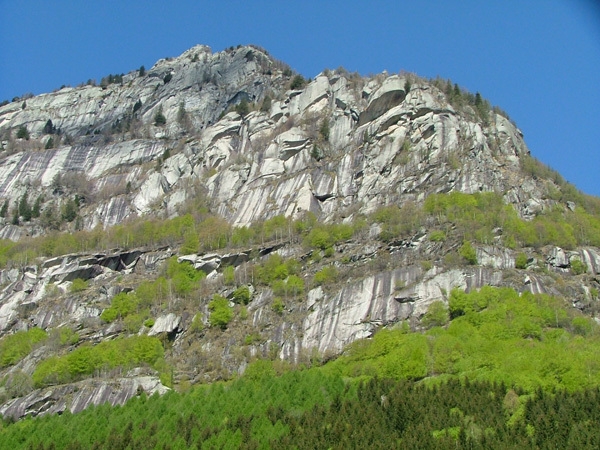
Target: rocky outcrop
(236, 140)
(79, 396)
(328, 147)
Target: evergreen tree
(4, 209)
(22, 133)
(49, 128)
(35, 212)
(15, 218)
(69, 212)
(159, 117)
(25, 208)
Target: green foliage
(67, 336)
(121, 306)
(578, 267)
(191, 243)
(398, 223)
(78, 285)
(476, 385)
(85, 360)
(241, 295)
(251, 339)
(49, 127)
(298, 82)
(70, 210)
(437, 236)
(496, 335)
(4, 209)
(184, 277)
(277, 305)
(15, 347)
(266, 104)
(275, 268)
(25, 208)
(229, 276)
(436, 316)
(269, 407)
(220, 312)
(111, 79)
(468, 253)
(22, 133)
(197, 325)
(159, 118)
(291, 286)
(324, 130)
(521, 261)
(326, 275)
(324, 236)
(242, 107)
(137, 106)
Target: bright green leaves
(220, 312)
(15, 347)
(85, 360)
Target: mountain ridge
(342, 204)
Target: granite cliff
(238, 136)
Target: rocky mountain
(250, 161)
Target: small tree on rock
(159, 118)
(22, 133)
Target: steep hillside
(171, 225)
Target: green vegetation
(22, 133)
(78, 285)
(86, 360)
(241, 295)
(159, 118)
(468, 253)
(437, 236)
(111, 79)
(398, 223)
(184, 277)
(229, 276)
(298, 82)
(487, 373)
(15, 347)
(495, 335)
(220, 312)
(578, 267)
(476, 216)
(242, 108)
(277, 306)
(122, 305)
(521, 261)
(326, 275)
(436, 316)
(134, 307)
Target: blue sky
(539, 60)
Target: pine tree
(4, 209)
(25, 208)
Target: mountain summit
(217, 208)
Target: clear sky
(539, 60)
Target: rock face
(339, 144)
(225, 130)
(78, 396)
